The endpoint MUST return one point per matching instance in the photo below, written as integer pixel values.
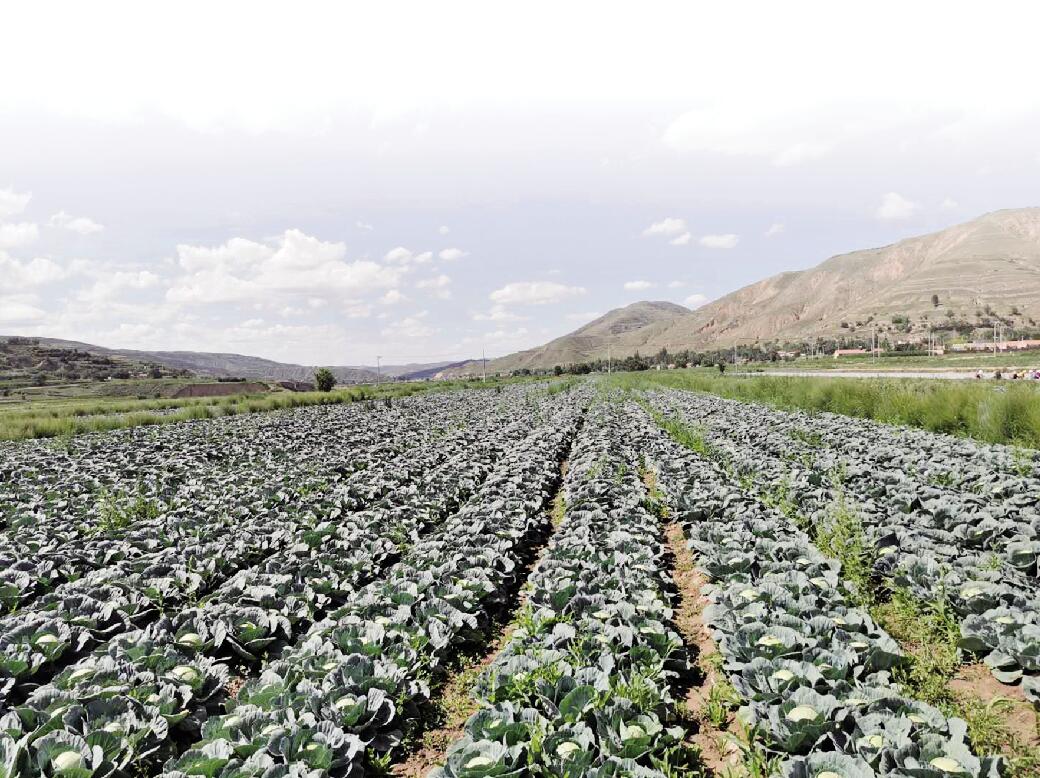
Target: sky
(325, 183)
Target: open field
(78, 413)
(575, 578)
(988, 362)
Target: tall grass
(995, 412)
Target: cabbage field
(293, 593)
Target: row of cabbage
(148, 688)
(582, 687)
(343, 696)
(39, 639)
(813, 672)
(140, 495)
(932, 541)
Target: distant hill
(984, 268)
(35, 361)
(222, 365)
(990, 261)
(614, 329)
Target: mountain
(618, 329)
(990, 262)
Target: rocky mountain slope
(990, 264)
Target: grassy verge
(989, 411)
(75, 417)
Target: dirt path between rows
(717, 753)
(455, 702)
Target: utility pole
(379, 371)
(609, 370)
(483, 361)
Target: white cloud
(363, 226)
(392, 297)
(695, 300)
(667, 226)
(399, 255)
(80, 224)
(410, 327)
(33, 272)
(498, 313)
(20, 308)
(439, 286)
(13, 203)
(403, 256)
(20, 234)
(948, 204)
(724, 241)
(681, 240)
(443, 230)
(676, 284)
(111, 284)
(638, 286)
(775, 229)
(894, 206)
(451, 255)
(297, 265)
(535, 293)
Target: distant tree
(324, 380)
(935, 301)
(1015, 311)
(557, 370)
(721, 366)
(155, 372)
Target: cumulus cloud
(451, 255)
(19, 274)
(949, 204)
(695, 300)
(895, 207)
(20, 234)
(439, 286)
(413, 326)
(113, 284)
(443, 230)
(775, 229)
(392, 297)
(363, 226)
(681, 240)
(724, 241)
(13, 203)
(403, 256)
(296, 265)
(535, 293)
(638, 286)
(498, 313)
(79, 224)
(20, 309)
(667, 226)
